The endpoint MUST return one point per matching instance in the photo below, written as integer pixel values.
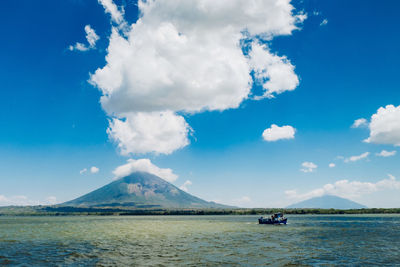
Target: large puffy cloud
(144, 165)
(347, 189)
(385, 126)
(158, 132)
(275, 133)
(164, 72)
(186, 56)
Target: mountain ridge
(327, 202)
(141, 190)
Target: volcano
(327, 202)
(141, 190)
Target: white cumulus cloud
(142, 132)
(385, 126)
(346, 189)
(359, 122)
(332, 165)
(185, 185)
(91, 38)
(276, 74)
(94, 169)
(357, 158)
(186, 56)
(275, 133)
(308, 167)
(385, 153)
(144, 165)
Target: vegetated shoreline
(105, 211)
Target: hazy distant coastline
(82, 211)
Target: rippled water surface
(200, 240)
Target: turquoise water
(200, 240)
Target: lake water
(200, 240)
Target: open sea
(307, 240)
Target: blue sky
(54, 126)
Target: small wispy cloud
(92, 170)
(91, 38)
(308, 167)
(359, 123)
(324, 22)
(357, 158)
(185, 185)
(385, 153)
(117, 14)
(332, 165)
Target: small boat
(276, 218)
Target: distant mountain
(141, 190)
(327, 202)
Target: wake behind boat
(276, 218)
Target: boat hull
(269, 221)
